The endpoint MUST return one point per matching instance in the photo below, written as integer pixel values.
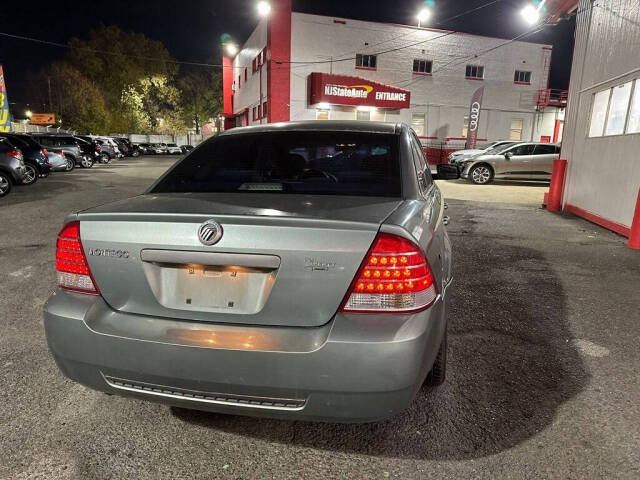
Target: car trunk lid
(282, 259)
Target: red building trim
(278, 62)
(521, 83)
(475, 78)
(424, 74)
(598, 220)
(371, 69)
(227, 83)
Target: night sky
(191, 29)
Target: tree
(201, 96)
(155, 105)
(77, 102)
(114, 58)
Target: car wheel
(86, 162)
(135, 153)
(5, 184)
(104, 158)
(31, 176)
(438, 372)
(481, 174)
(71, 163)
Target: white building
(297, 66)
(602, 137)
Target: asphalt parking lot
(543, 361)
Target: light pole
(531, 13)
(423, 16)
(264, 8)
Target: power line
(105, 52)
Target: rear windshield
(317, 163)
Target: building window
(255, 114)
(264, 109)
(245, 74)
(239, 77)
(465, 125)
(522, 77)
(422, 66)
(618, 108)
(363, 115)
(259, 112)
(322, 114)
(254, 65)
(633, 124)
(599, 113)
(515, 130)
(366, 61)
(418, 123)
(475, 71)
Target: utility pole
(50, 104)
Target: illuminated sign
(5, 116)
(43, 119)
(355, 91)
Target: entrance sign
(355, 91)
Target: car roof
(321, 126)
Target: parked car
(114, 146)
(174, 149)
(96, 145)
(106, 151)
(522, 161)
(157, 149)
(65, 143)
(58, 161)
(12, 167)
(459, 155)
(316, 286)
(88, 152)
(33, 154)
(143, 147)
(186, 148)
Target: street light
(264, 8)
(28, 113)
(231, 49)
(531, 14)
(423, 16)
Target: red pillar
(227, 82)
(634, 234)
(278, 66)
(554, 201)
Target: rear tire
(86, 162)
(438, 372)
(71, 163)
(31, 176)
(481, 174)
(105, 158)
(5, 184)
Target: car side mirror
(508, 155)
(447, 171)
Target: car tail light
(98, 148)
(59, 152)
(14, 153)
(44, 152)
(71, 262)
(394, 277)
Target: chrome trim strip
(242, 401)
(210, 258)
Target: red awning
(355, 91)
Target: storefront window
(599, 113)
(322, 114)
(418, 123)
(618, 109)
(363, 115)
(465, 125)
(633, 124)
(515, 130)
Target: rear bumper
(356, 368)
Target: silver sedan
(523, 161)
(297, 270)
